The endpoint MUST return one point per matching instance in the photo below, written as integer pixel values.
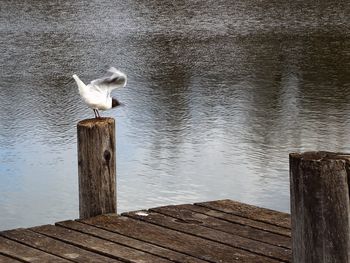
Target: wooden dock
(216, 231)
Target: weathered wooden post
(320, 211)
(96, 167)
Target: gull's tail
(82, 87)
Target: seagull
(97, 94)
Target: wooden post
(320, 207)
(96, 167)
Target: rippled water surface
(219, 93)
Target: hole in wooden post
(107, 155)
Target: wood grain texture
(5, 259)
(98, 245)
(130, 242)
(187, 215)
(320, 207)
(194, 246)
(96, 167)
(25, 253)
(239, 220)
(249, 211)
(55, 247)
(202, 226)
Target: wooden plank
(175, 240)
(239, 220)
(130, 242)
(187, 223)
(4, 259)
(25, 253)
(97, 245)
(54, 246)
(250, 211)
(187, 216)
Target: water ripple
(218, 94)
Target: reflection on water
(219, 93)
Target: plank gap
(12, 258)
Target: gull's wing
(114, 79)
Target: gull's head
(115, 103)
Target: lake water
(219, 94)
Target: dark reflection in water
(219, 93)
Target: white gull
(97, 94)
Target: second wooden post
(96, 167)
(320, 208)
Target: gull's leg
(95, 113)
(98, 114)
